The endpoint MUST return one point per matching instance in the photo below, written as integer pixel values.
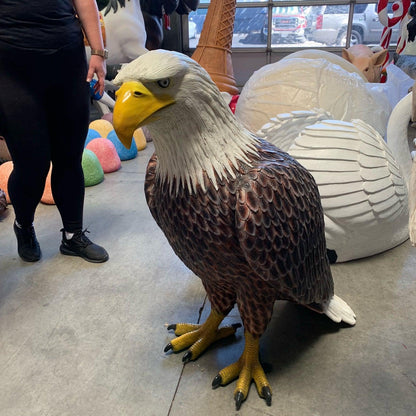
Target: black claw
(236, 326)
(267, 395)
(168, 347)
(172, 326)
(239, 398)
(187, 357)
(217, 381)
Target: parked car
(249, 21)
(330, 23)
(290, 24)
(246, 20)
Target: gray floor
(80, 339)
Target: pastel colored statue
(370, 63)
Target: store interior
(85, 339)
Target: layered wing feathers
(355, 171)
(280, 228)
(266, 225)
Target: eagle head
(193, 129)
(151, 83)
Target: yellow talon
(181, 329)
(247, 368)
(199, 337)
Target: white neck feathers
(199, 137)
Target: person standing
(44, 112)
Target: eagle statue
(244, 216)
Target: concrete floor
(81, 339)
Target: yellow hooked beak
(134, 106)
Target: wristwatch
(100, 52)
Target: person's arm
(88, 14)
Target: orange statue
(214, 47)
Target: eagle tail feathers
(338, 310)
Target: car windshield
(360, 8)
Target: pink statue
(368, 62)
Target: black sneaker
(80, 245)
(27, 243)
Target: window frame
(248, 59)
(269, 5)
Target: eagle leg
(199, 337)
(247, 368)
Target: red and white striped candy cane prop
(400, 8)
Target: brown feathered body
(254, 237)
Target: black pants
(44, 116)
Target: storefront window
(298, 25)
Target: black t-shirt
(38, 24)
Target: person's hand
(97, 66)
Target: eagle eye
(164, 83)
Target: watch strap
(100, 52)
